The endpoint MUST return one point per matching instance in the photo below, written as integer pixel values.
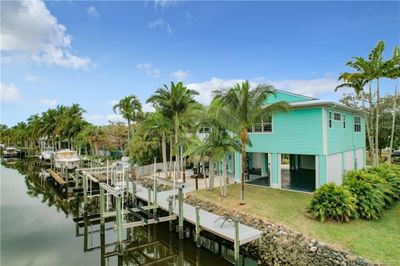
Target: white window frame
(357, 124)
(262, 128)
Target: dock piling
(170, 210)
(180, 206)
(198, 228)
(236, 242)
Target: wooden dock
(208, 221)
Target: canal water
(37, 228)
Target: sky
(94, 53)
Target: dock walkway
(208, 221)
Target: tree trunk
(377, 125)
(164, 155)
(170, 155)
(244, 140)
(367, 125)
(129, 131)
(393, 123)
(371, 124)
(224, 178)
(211, 174)
(177, 159)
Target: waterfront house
(314, 143)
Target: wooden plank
(56, 177)
(151, 221)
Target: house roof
(317, 102)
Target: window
(330, 119)
(264, 126)
(357, 124)
(337, 116)
(344, 121)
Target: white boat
(47, 154)
(66, 159)
(11, 152)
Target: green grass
(378, 240)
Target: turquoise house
(314, 143)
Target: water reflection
(42, 226)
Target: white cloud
(160, 24)
(31, 78)
(164, 3)
(206, 88)
(180, 75)
(31, 33)
(9, 93)
(112, 102)
(104, 119)
(92, 12)
(149, 69)
(148, 107)
(48, 102)
(314, 87)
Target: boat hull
(70, 165)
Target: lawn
(378, 240)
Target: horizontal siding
(344, 139)
(298, 131)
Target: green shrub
(331, 202)
(368, 190)
(390, 182)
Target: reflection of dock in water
(106, 200)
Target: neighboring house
(314, 143)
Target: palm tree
(161, 125)
(357, 82)
(393, 72)
(131, 109)
(173, 102)
(241, 107)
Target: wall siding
(334, 168)
(298, 131)
(344, 139)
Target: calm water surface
(37, 228)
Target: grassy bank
(378, 240)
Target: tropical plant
(332, 203)
(131, 109)
(389, 182)
(173, 102)
(241, 107)
(365, 188)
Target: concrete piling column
(198, 229)
(118, 222)
(181, 218)
(236, 242)
(170, 212)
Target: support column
(118, 222)
(180, 205)
(264, 168)
(170, 212)
(198, 228)
(276, 170)
(322, 169)
(238, 166)
(236, 244)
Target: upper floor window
(330, 119)
(337, 116)
(357, 124)
(264, 126)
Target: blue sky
(94, 53)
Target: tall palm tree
(173, 102)
(163, 126)
(357, 82)
(393, 72)
(242, 107)
(131, 109)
